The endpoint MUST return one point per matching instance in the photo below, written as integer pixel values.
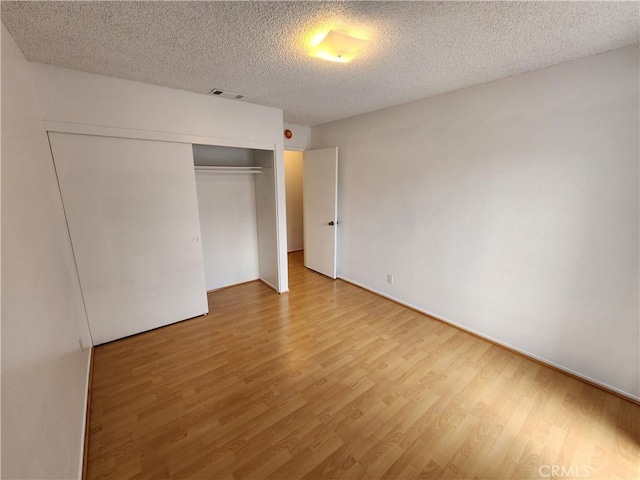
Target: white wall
(212, 155)
(44, 372)
(227, 208)
(301, 138)
(293, 180)
(80, 98)
(265, 212)
(510, 208)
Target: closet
(132, 210)
(236, 202)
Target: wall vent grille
(218, 92)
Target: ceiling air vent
(218, 92)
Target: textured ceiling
(418, 49)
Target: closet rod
(217, 169)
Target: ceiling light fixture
(338, 47)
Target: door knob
(331, 224)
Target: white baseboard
(224, 287)
(542, 360)
(268, 284)
(84, 414)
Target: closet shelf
(216, 169)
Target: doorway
(293, 171)
(311, 181)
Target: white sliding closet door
(132, 211)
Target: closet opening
(236, 203)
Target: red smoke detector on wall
(288, 134)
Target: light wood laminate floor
(331, 381)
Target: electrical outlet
(389, 278)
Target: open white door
(320, 205)
(132, 212)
